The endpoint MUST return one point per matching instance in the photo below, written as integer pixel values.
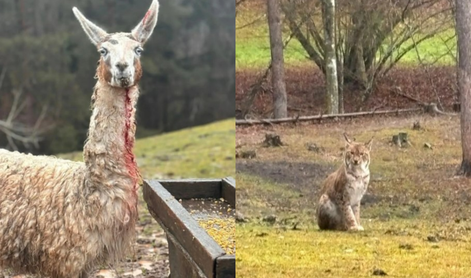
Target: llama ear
(369, 143)
(347, 140)
(95, 33)
(144, 29)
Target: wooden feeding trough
(178, 205)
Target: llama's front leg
(356, 212)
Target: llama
(60, 218)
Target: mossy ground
(416, 214)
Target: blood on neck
(129, 138)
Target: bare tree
(332, 96)
(371, 35)
(14, 130)
(280, 101)
(463, 30)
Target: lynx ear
(145, 28)
(369, 143)
(348, 140)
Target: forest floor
(199, 152)
(416, 213)
(403, 87)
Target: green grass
(253, 51)
(438, 48)
(271, 252)
(416, 224)
(253, 45)
(199, 152)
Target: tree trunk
(330, 59)
(463, 30)
(276, 45)
(340, 78)
(20, 11)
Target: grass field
(416, 213)
(198, 152)
(253, 51)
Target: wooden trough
(192, 252)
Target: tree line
(47, 68)
(354, 43)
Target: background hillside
(206, 151)
(44, 54)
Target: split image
(117, 139)
(246, 138)
(352, 138)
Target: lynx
(339, 205)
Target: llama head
(119, 63)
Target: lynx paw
(356, 228)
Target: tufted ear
(144, 29)
(347, 140)
(369, 143)
(95, 33)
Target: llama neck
(108, 152)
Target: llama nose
(122, 66)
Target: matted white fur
(59, 218)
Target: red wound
(129, 142)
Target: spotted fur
(339, 204)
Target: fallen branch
(429, 107)
(432, 108)
(398, 91)
(330, 116)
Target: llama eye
(139, 51)
(103, 51)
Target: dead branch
(258, 85)
(15, 131)
(329, 116)
(253, 22)
(398, 91)
(428, 107)
(432, 108)
(254, 90)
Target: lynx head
(357, 155)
